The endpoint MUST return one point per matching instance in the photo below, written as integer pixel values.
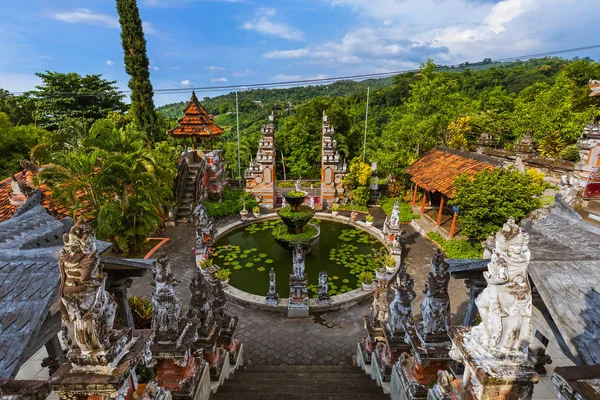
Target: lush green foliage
(357, 182)
(15, 142)
(304, 213)
(62, 96)
(223, 274)
(137, 66)
(280, 232)
(112, 174)
(570, 153)
(366, 277)
(487, 201)
(231, 204)
(406, 213)
(296, 193)
(142, 312)
(457, 248)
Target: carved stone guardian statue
(166, 307)
(435, 308)
(401, 307)
(272, 295)
(380, 307)
(323, 294)
(200, 307)
(87, 309)
(298, 260)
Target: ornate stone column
(101, 360)
(495, 352)
(428, 338)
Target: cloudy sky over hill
(198, 43)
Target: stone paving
(325, 339)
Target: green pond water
(250, 252)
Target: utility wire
(327, 80)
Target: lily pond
(343, 251)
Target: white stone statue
(298, 260)
(395, 217)
(298, 185)
(312, 202)
(505, 304)
(569, 188)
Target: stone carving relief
(87, 309)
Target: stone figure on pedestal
(380, 307)
(87, 309)
(298, 260)
(298, 187)
(166, 307)
(401, 307)
(200, 302)
(505, 304)
(391, 225)
(435, 308)
(323, 295)
(204, 228)
(272, 295)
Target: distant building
(260, 174)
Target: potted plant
(204, 263)
(256, 211)
(390, 264)
(223, 276)
(244, 212)
(366, 279)
(335, 210)
(369, 220)
(353, 214)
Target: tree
(357, 182)
(70, 95)
(20, 109)
(459, 130)
(551, 145)
(137, 66)
(15, 143)
(489, 198)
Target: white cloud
(239, 74)
(88, 17)
(219, 80)
(283, 54)
(109, 63)
(263, 24)
(154, 68)
(186, 82)
(283, 77)
(179, 3)
(85, 16)
(214, 68)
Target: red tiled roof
(437, 170)
(195, 122)
(7, 210)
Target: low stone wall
(338, 302)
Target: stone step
(298, 375)
(298, 396)
(318, 369)
(308, 388)
(246, 380)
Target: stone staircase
(299, 383)
(185, 206)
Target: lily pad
(238, 267)
(269, 261)
(249, 265)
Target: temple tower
(260, 175)
(333, 168)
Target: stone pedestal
(11, 389)
(394, 347)
(418, 372)
(488, 378)
(298, 300)
(177, 370)
(100, 382)
(374, 335)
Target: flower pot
(390, 270)
(353, 215)
(205, 272)
(380, 273)
(335, 213)
(256, 215)
(225, 283)
(244, 214)
(369, 223)
(367, 286)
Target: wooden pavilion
(436, 171)
(196, 124)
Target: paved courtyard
(325, 339)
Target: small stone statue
(396, 244)
(380, 307)
(219, 304)
(505, 304)
(395, 217)
(204, 229)
(272, 295)
(166, 307)
(87, 309)
(283, 203)
(435, 308)
(312, 202)
(323, 297)
(569, 188)
(200, 306)
(298, 257)
(298, 185)
(401, 306)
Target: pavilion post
(423, 202)
(439, 218)
(453, 225)
(414, 199)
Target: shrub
(570, 153)
(280, 233)
(406, 213)
(366, 277)
(256, 209)
(369, 218)
(222, 274)
(231, 203)
(360, 195)
(457, 248)
(296, 193)
(142, 312)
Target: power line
(302, 82)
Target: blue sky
(194, 43)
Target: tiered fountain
(296, 231)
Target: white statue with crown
(505, 305)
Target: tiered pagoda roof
(195, 122)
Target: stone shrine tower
(333, 168)
(260, 175)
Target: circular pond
(343, 251)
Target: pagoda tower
(196, 124)
(333, 168)
(260, 175)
